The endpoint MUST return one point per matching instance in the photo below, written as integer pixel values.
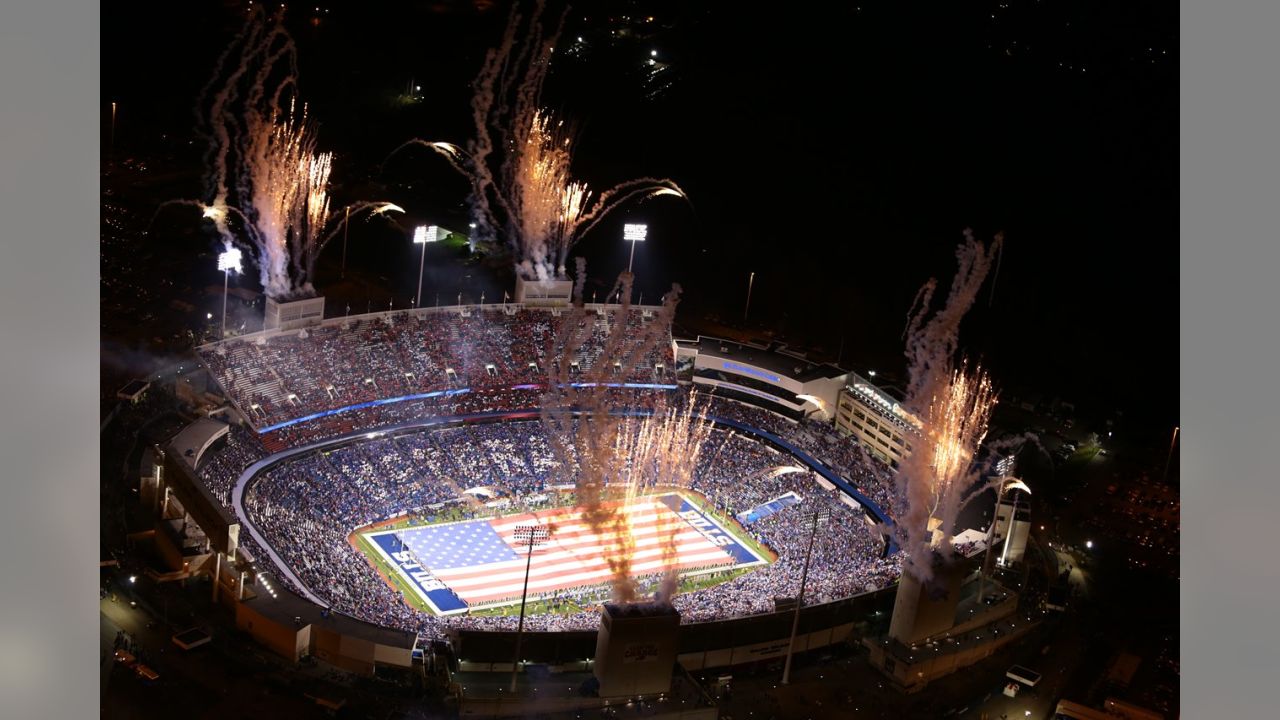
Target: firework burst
(265, 171)
(523, 195)
(940, 476)
(617, 457)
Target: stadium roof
(774, 357)
(195, 438)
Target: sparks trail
(615, 456)
(523, 194)
(953, 404)
(263, 163)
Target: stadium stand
(351, 378)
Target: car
(1011, 689)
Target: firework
(956, 426)
(940, 476)
(616, 456)
(523, 194)
(264, 166)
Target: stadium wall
(287, 641)
(913, 676)
(219, 525)
(725, 643)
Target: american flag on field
(483, 561)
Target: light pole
(1005, 485)
(228, 262)
(422, 235)
(819, 515)
(750, 282)
(533, 535)
(346, 223)
(111, 148)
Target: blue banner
(436, 592)
(715, 534)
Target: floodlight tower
(422, 235)
(228, 262)
(634, 233)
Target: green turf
(731, 526)
(366, 546)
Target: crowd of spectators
(308, 507)
(277, 377)
(825, 444)
(223, 463)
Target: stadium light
(228, 262)
(634, 233)
(533, 535)
(422, 235)
(819, 515)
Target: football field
(454, 567)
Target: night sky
(838, 153)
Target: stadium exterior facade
(877, 420)
(771, 377)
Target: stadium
(375, 468)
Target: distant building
(877, 420)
